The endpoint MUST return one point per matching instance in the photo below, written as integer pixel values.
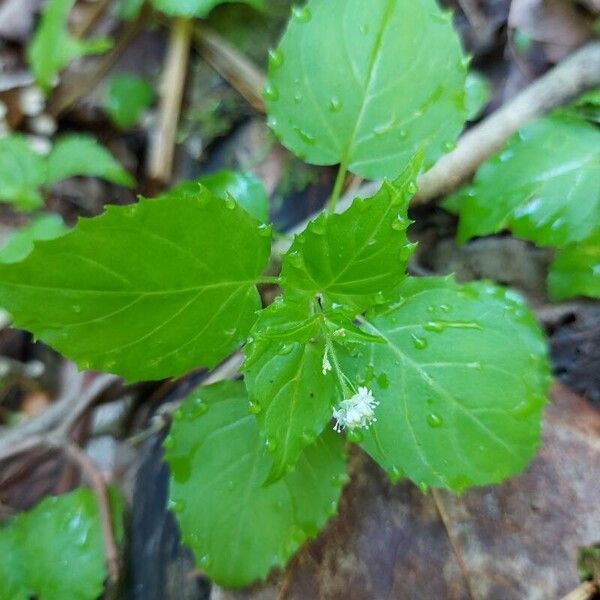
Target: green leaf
(147, 291)
(358, 257)
(575, 270)
(20, 243)
(366, 84)
(126, 98)
(461, 382)
(77, 155)
(544, 185)
(197, 8)
(478, 94)
(22, 172)
(290, 393)
(246, 189)
(237, 527)
(587, 106)
(54, 551)
(52, 48)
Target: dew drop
(335, 104)
(254, 408)
(275, 58)
(380, 298)
(317, 227)
(395, 474)
(304, 135)
(270, 92)
(176, 505)
(205, 561)
(412, 188)
(434, 421)
(295, 258)
(399, 224)
(435, 326)
(199, 407)
(230, 202)
(423, 487)
(264, 230)
(272, 122)
(333, 508)
(178, 415)
(301, 14)
(297, 97)
(418, 342)
(445, 308)
(169, 443)
(448, 146)
(271, 444)
(285, 349)
(403, 134)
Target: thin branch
(575, 75)
(162, 149)
(586, 591)
(98, 485)
(236, 68)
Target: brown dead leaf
(515, 541)
(558, 24)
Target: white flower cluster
(358, 411)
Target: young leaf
(52, 48)
(22, 172)
(358, 257)
(576, 270)
(59, 531)
(246, 189)
(197, 8)
(75, 155)
(290, 391)
(237, 527)
(544, 186)
(147, 291)
(43, 227)
(365, 84)
(461, 383)
(126, 98)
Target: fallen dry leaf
(515, 541)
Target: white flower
(358, 411)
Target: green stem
(337, 187)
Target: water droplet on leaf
(301, 14)
(418, 342)
(434, 420)
(270, 92)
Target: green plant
(67, 526)
(544, 186)
(23, 171)
(126, 98)
(53, 48)
(439, 382)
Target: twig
(236, 68)
(162, 148)
(59, 417)
(586, 591)
(93, 13)
(98, 485)
(575, 75)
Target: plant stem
(162, 148)
(338, 187)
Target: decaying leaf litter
(220, 128)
